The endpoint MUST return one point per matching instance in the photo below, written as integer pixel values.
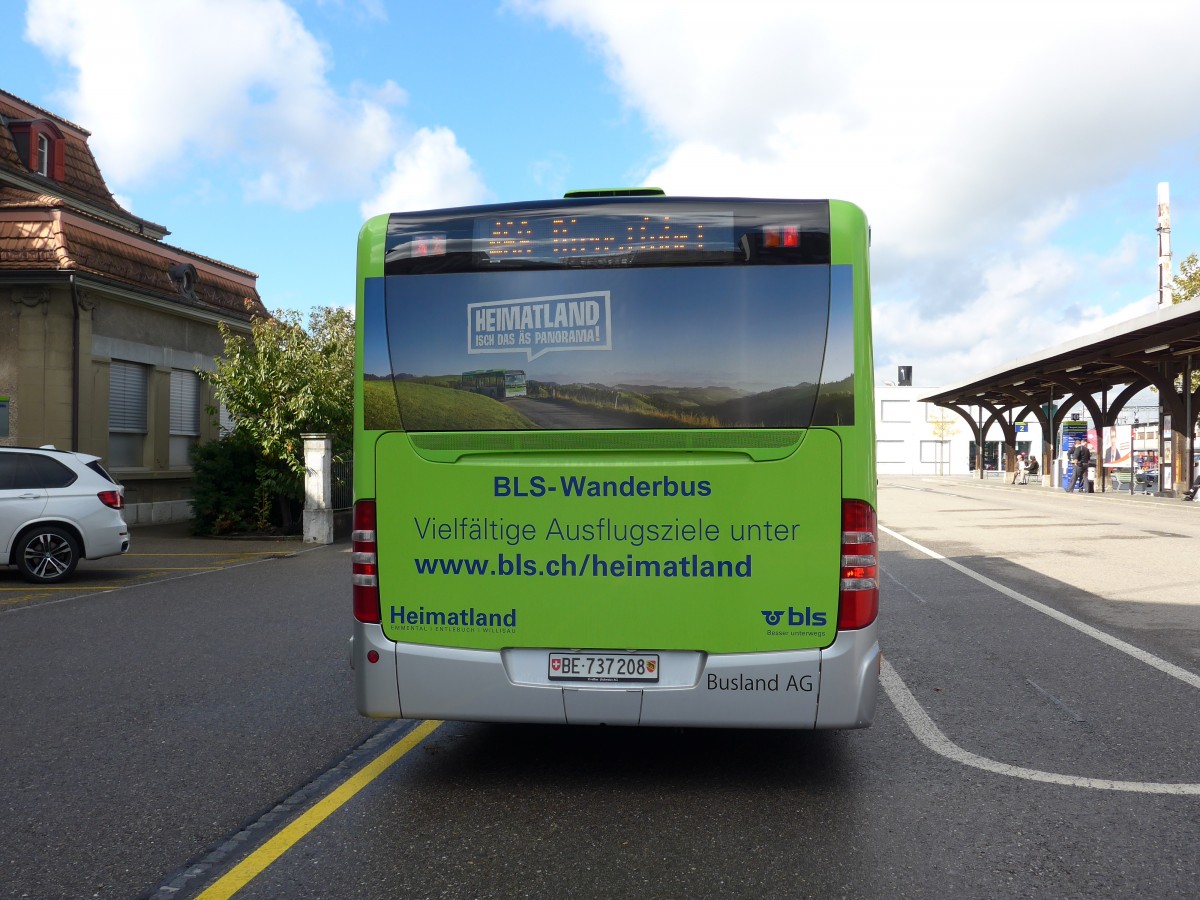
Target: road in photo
(559, 414)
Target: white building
(917, 438)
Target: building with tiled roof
(103, 325)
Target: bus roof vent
(616, 192)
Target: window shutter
(127, 397)
(185, 402)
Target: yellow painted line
(119, 569)
(76, 586)
(214, 553)
(254, 864)
(15, 600)
(27, 590)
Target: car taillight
(364, 563)
(112, 499)
(859, 598)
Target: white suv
(57, 507)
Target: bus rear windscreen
(632, 315)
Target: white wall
(910, 441)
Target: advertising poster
(1118, 441)
(699, 347)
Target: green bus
(678, 528)
(499, 384)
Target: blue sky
(1008, 157)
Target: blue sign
(1072, 434)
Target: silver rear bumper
(805, 689)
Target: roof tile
(84, 243)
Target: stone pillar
(318, 516)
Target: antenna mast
(1164, 244)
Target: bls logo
(796, 617)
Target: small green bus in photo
(615, 464)
(499, 384)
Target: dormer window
(43, 155)
(41, 146)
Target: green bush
(225, 487)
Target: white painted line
(900, 584)
(931, 736)
(1189, 678)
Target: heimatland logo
(467, 619)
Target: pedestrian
(1019, 471)
(1031, 468)
(1082, 457)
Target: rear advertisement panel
(551, 550)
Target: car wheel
(46, 554)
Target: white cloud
(970, 134)
(551, 174)
(1041, 226)
(1018, 304)
(363, 10)
(430, 172)
(243, 82)
(1023, 305)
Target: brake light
(112, 499)
(364, 563)
(429, 245)
(858, 604)
(775, 236)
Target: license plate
(606, 667)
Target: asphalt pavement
(160, 700)
(156, 553)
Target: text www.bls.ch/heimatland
(590, 566)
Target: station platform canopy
(1102, 372)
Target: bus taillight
(781, 236)
(858, 603)
(364, 563)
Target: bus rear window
(610, 316)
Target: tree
(1187, 287)
(283, 381)
(1187, 282)
(943, 429)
